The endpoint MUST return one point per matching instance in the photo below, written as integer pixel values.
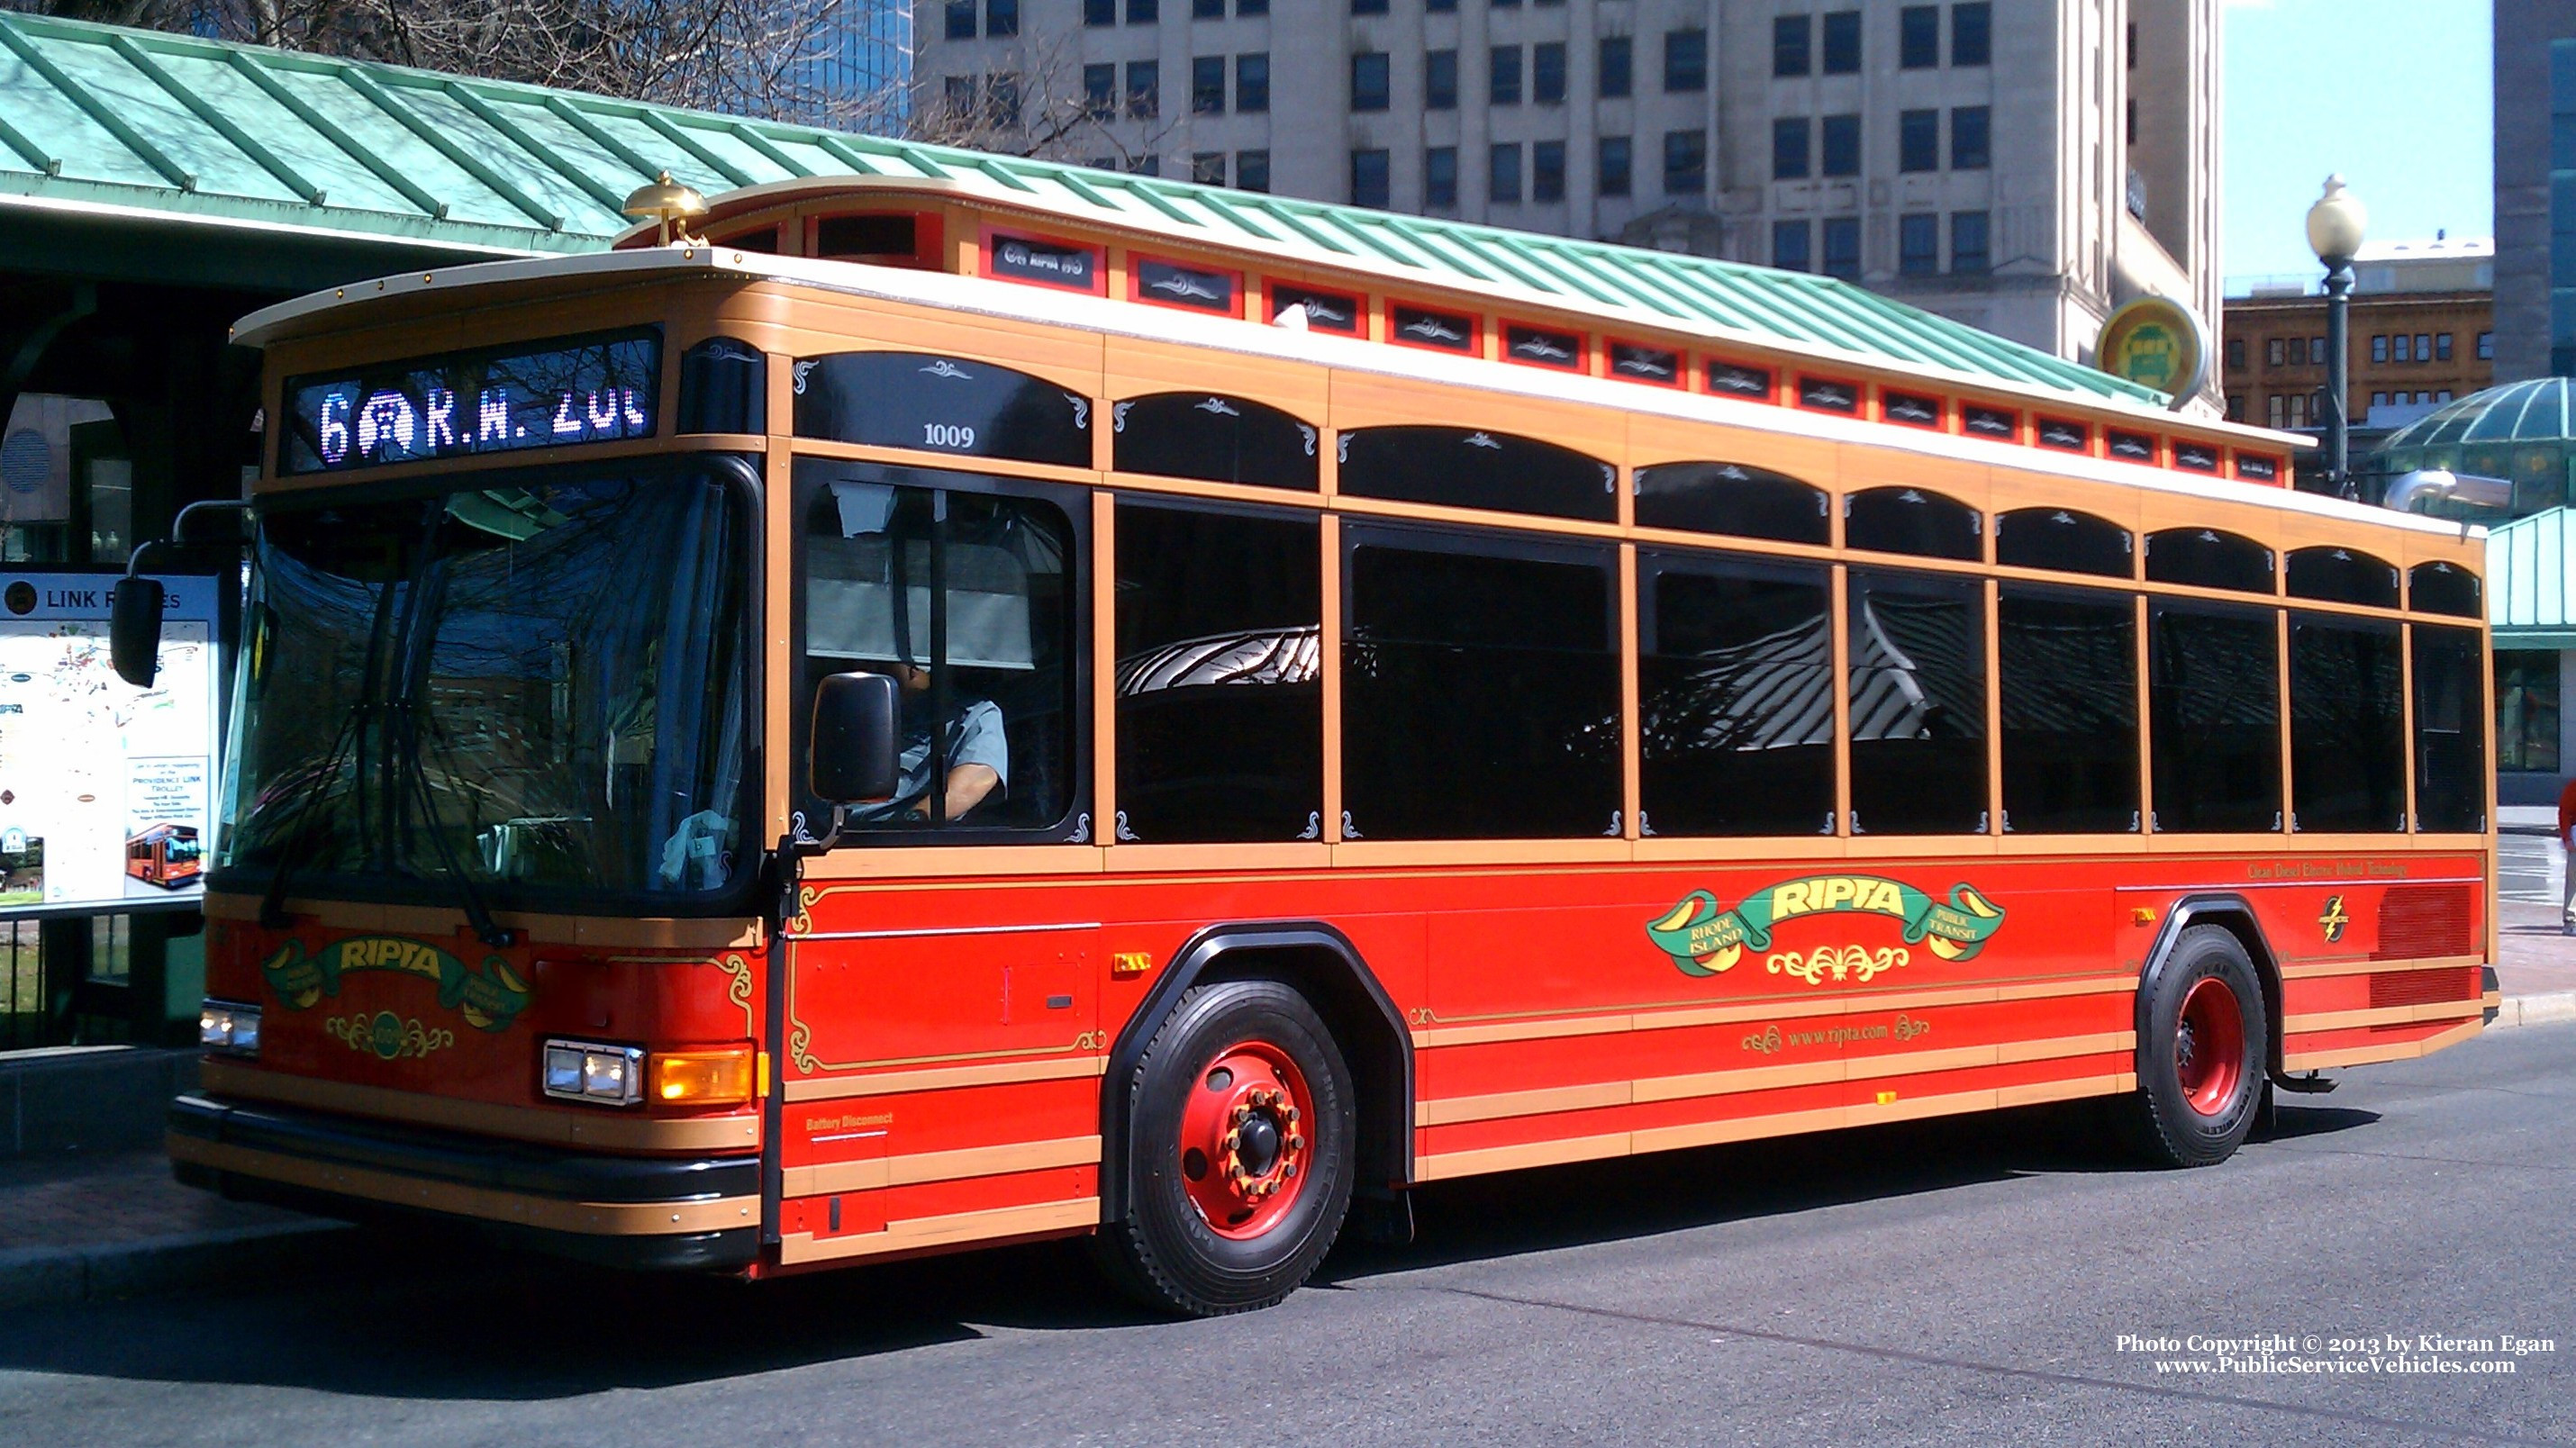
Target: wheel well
(1321, 964)
(2232, 914)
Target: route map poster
(106, 790)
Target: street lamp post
(2334, 232)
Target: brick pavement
(104, 1201)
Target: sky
(2397, 95)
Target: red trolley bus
(947, 714)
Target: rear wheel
(2201, 1052)
(1241, 1140)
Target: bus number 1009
(947, 435)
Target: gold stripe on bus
(939, 1166)
(917, 1233)
(825, 1088)
(1777, 1008)
(1456, 1109)
(2364, 965)
(597, 1219)
(2392, 1051)
(2382, 1016)
(569, 1126)
(619, 931)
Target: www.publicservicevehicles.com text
(2390, 1354)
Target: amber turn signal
(719, 1077)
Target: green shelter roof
(2527, 583)
(2535, 411)
(109, 119)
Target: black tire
(1162, 1250)
(2161, 1121)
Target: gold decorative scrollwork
(1766, 1041)
(1848, 962)
(738, 989)
(799, 1042)
(387, 1036)
(803, 921)
(1091, 1041)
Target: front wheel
(2202, 1049)
(1241, 1139)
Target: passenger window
(2445, 588)
(2342, 575)
(2214, 709)
(1471, 468)
(1917, 651)
(1220, 439)
(2347, 743)
(1220, 685)
(1480, 688)
(1736, 712)
(941, 404)
(2070, 711)
(1910, 520)
(2450, 730)
(1732, 499)
(967, 598)
(2064, 541)
(2208, 558)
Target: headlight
(229, 1027)
(588, 1071)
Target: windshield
(532, 684)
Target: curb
(237, 1256)
(2547, 1008)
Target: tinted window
(1473, 469)
(1736, 706)
(1910, 520)
(2064, 541)
(2341, 575)
(723, 384)
(941, 404)
(1220, 684)
(2208, 558)
(2347, 746)
(2214, 700)
(1480, 689)
(968, 597)
(2070, 711)
(1221, 439)
(2444, 588)
(1733, 499)
(2450, 730)
(1918, 704)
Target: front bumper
(701, 1212)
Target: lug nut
(1296, 1143)
(1292, 1116)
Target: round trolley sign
(2155, 343)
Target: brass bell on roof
(668, 202)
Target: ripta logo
(1705, 938)
(490, 996)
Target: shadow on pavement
(434, 1315)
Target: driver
(979, 756)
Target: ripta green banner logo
(489, 997)
(1705, 938)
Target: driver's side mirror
(134, 630)
(855, 758)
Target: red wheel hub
(2209, 1046)
(1244, 1146)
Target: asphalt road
(1955, 1282)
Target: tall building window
(1968, 254)
(1918, 244)
(2378, 349)
(2273, 356)
(1100, 89)
(1099, 12)
(1842, 247)
(1368, 80)
(1842, 145)
(1252, 170)
(1547, 72)
(1503, 76)
(1001, 17)
(1207, 85)
(2423, 348)
(1440, 176)
(1685, 163)
(1503, 174)
(2486, 346)
(2399, 349)
(1614, 168)
(1440, 7)
(1685, 60)
(1207, 10)
(1368, 178)
(1208, 168)
(1789, 245)
(1144, 89)
(1368, 7)
(1969, 149)
(2441, 346)
(1790, 149)
(1616, 53)
(1918, 34)
(1251, 85)
(2235, 351)
(1972, 34)
(960, 92)
(1248, 8)
(1792, 37)
(1145, 165)
(1842, 43)
(1547, 171)
(1144, 12)
(961, 19)
(1918, 141)
(1440, 80)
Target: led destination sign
(556, 394)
